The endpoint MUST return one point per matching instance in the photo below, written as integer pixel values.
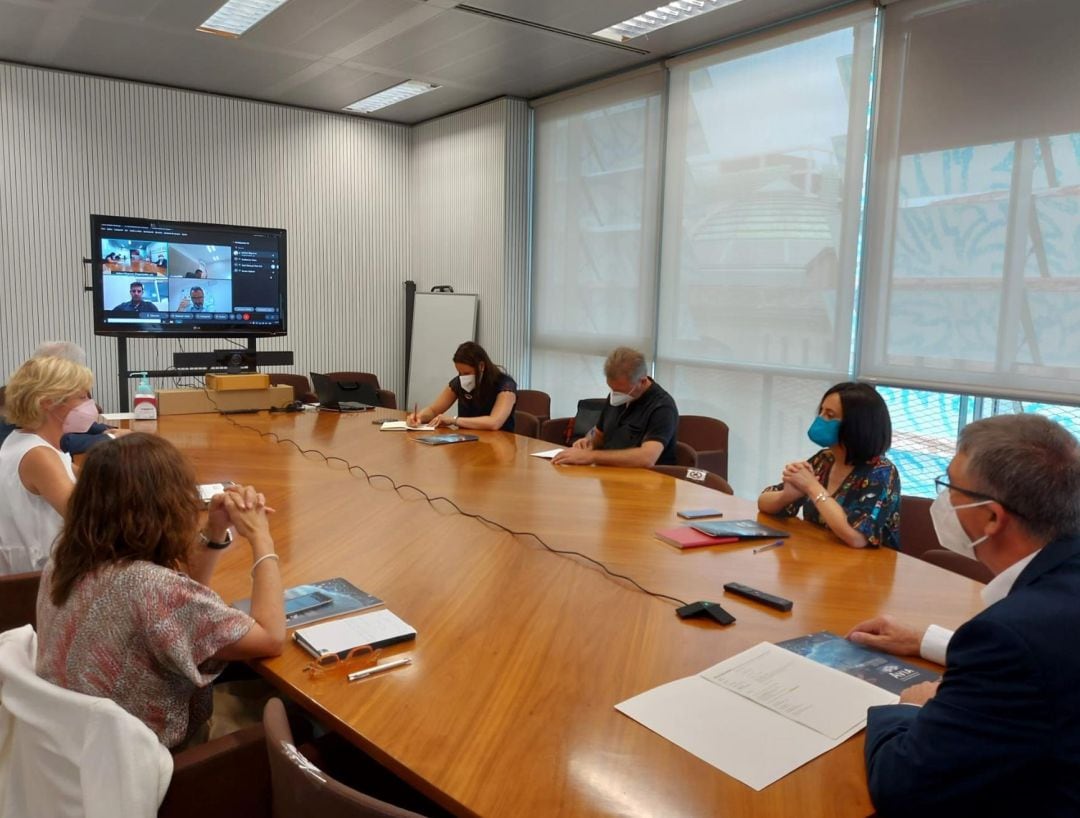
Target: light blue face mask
(824, 433)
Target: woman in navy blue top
(485, 395)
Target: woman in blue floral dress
(849, 486)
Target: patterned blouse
(870, 495)
(141, 635)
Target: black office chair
(387, 399)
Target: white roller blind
(764, 178)
(597, 166)
(764, 183)
(973, 265)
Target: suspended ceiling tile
(188, 60)
(20, 25)
(336, 88)
(462, 32)
(571, 15)
(325, 33)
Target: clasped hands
(800, 475)
(242, 507)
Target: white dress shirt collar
(999, 587)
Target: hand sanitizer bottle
(145, 400)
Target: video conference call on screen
(174, 278)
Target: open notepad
(378, 629)
(402, 426)
(759, 715)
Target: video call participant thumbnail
(136, 304)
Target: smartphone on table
(308, 602)
(699, 513)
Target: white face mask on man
(622, 398)
(950, 532)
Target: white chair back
(68, 755)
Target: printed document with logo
(759, 715)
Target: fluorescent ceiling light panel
(391, 96)
(237, 16)
(674, 12)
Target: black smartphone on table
(699, 513)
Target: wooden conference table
(508, 707)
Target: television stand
(196, 364)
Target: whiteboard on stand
(441, 322)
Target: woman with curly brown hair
(124, 611)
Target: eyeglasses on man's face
(942, 482)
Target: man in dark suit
(1000, 734)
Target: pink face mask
(81, 418)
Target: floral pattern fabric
(870, 495)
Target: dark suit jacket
(1002, 735)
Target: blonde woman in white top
(46, 398)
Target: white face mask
(468, 382)
(950, 532)
(622, 398)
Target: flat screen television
(185, 279)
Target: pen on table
(363, 674)
(768, 547)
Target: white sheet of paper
(402, 426)
(208, 490)
(800, 689)
(738, 736)
(109, 417)
(548, 455)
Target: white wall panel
(367, 205)
(72, 145)
(469, 220)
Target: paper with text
(799, 689)
(738, 736)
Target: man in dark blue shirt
(136, 304)
(638, 425)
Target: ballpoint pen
(768, 547)
(363, 674)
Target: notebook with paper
(378, 629)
